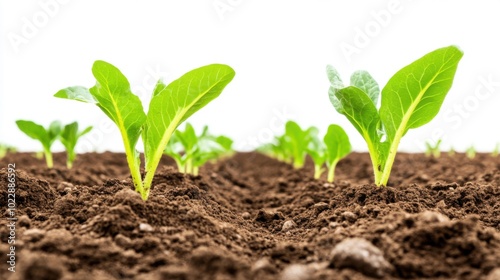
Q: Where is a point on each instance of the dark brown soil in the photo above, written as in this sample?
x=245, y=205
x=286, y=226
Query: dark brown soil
x=438, y=219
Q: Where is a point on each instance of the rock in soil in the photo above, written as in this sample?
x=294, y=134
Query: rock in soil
x=361, y=255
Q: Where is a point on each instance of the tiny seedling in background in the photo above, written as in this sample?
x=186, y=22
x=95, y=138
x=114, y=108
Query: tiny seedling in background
x=47, y=137
x=471, y=152
x=496, y=150
x=317, y=151
x=69, y=137
x=452, y=152
x=170, y=105
x=6, y=149
x=338, y=146
x=298, y=141
x=433, y=150
x=191, y=151
x=38, y=155
x=410, y=99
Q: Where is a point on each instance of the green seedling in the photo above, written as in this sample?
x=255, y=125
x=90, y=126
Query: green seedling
x=38, y=155
x=69, y=137
x=496, y=150
x=170, y=105
x=433, y=150
x=191, y=151
x=451, y=152
x=6, y=149
x=471, y=152
x=47, y=137
x=317, y=151
x=296, y=141
x=410, y=99
x=338, y=146
x=276, y=151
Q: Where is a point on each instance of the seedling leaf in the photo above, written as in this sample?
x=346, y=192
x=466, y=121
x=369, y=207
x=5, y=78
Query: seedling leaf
x=46, y=136
x=338, y=146
x=173, y=104
x=69, y=138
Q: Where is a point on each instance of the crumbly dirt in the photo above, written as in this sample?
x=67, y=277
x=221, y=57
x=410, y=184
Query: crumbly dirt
x=251, y=217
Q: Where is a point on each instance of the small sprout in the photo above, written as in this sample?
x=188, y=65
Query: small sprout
x=410, y=99
x=337, y=147
x=291, y=147
x=297, y=141
x=317, y=151
x=433, y=150
x=451, y=152
x=170, y=105
x=496, y=150
x=191, y=151
x=471, y=152
x=47, y=137
x=6, y=149
x=69, y=137
x=38, y=155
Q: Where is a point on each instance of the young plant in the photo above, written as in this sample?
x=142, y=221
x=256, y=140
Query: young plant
x=433, y=150
x=317, y=151
x=47, y=137
x=191, y=151
x=471, y=152
x=338, y=146
x=5, y=149
x=296, y=141
x=451, y=152
x=170, y=105
x=38, y=155
x=69, y=137
x=410, y=99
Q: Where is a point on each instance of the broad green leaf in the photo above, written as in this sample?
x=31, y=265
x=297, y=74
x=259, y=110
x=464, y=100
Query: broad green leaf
x=76, y=93
x=45, y=136
x=173, y=104
x=414, y=95
x=35, y=131
x=337, y=147
x=114, y=97
x=361, y=112
x=335, y=85
x=337, y=143
x=365, y=82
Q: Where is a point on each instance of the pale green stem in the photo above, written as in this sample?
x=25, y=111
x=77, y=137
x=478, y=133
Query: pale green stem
x=135, y=172
x=331, y=171
x=48, y=158
x=318, y=170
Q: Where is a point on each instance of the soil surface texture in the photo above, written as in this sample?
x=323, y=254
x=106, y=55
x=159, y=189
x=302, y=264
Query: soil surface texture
x=252, y=217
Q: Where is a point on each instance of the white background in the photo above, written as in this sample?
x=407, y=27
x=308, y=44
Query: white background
x=278, y=48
